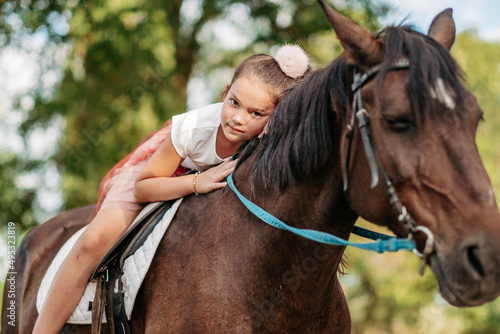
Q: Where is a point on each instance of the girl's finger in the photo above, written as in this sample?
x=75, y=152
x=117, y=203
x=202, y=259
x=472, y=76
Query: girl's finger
x=220, y=185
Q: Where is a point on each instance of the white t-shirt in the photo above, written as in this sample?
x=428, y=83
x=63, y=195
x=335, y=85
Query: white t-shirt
x=194, y=134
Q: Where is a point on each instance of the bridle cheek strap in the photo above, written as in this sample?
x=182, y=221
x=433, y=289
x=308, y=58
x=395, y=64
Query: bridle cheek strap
x=377, y=169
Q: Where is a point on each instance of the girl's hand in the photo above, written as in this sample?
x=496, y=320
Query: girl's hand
x=211, y=179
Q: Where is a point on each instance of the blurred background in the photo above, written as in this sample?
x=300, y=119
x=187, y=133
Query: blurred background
x=82, y=82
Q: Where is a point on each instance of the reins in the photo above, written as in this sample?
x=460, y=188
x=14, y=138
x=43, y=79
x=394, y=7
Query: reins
x=382, y=243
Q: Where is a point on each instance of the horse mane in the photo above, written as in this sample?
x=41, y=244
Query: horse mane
x=299, y=141
x=299, y=137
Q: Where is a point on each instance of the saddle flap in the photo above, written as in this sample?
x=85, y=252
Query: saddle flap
x=150, y=214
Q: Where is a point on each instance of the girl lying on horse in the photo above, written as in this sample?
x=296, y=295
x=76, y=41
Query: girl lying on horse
x=199, y=140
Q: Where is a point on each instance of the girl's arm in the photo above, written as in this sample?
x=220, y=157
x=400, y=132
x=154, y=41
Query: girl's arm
x=156, y=183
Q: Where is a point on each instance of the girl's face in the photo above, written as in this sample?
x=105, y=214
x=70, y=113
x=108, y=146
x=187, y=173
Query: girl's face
x=246, y=109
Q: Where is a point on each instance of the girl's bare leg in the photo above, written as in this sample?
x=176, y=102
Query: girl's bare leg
x=71, y=280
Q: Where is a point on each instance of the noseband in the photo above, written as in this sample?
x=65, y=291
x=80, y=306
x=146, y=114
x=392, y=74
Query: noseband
x=377, y=169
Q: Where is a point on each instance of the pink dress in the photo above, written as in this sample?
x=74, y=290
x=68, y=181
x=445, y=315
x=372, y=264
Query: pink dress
x=117, y=187
x=194, y=137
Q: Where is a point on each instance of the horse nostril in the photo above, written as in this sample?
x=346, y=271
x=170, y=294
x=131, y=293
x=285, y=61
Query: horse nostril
x=473, y=257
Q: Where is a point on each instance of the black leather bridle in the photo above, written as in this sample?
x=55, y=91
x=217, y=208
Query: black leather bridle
x=377, y=169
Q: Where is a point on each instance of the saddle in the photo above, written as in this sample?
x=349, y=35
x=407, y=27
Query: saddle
x=109, y=294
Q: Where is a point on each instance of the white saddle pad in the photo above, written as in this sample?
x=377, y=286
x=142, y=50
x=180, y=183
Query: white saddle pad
x=135, y=268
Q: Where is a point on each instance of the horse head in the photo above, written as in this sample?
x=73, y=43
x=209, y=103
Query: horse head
x=422, y=123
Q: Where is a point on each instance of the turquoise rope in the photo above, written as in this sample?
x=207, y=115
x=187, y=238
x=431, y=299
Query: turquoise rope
x=383, y=243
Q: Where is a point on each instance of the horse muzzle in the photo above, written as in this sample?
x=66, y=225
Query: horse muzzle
x=468, y=275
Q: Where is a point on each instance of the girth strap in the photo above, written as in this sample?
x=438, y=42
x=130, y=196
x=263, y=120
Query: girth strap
x=98, y=306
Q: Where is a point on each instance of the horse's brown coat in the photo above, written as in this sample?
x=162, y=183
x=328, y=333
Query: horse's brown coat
x=219, y=269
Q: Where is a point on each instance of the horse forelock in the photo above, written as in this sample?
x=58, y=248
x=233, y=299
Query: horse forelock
x=434, y=78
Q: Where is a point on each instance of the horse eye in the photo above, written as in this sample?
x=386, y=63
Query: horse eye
x=400, y=123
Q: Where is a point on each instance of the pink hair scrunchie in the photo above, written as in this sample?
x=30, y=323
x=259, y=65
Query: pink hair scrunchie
x=292, y=60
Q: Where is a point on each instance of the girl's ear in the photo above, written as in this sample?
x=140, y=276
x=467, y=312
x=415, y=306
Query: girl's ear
x=264, y=131
x=225, y=92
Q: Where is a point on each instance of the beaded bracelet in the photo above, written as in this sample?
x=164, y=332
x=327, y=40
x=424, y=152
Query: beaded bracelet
x=194, y=183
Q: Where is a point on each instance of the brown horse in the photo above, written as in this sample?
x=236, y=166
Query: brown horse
x=219, y=269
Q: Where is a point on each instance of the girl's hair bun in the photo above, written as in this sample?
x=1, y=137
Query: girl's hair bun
x=292, y=60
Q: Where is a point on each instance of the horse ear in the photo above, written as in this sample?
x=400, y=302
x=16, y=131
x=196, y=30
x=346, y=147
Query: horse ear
x=443, y=29
x=360, y=47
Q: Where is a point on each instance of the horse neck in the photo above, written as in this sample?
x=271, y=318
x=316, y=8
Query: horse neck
x=315, y=203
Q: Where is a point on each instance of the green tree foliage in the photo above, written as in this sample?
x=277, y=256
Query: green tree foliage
x=481, y=65
x=126, y=71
